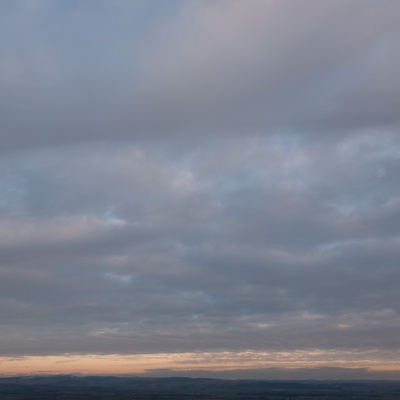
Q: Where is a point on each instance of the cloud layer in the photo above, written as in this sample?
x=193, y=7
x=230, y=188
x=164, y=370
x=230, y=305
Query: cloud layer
x=199, y=177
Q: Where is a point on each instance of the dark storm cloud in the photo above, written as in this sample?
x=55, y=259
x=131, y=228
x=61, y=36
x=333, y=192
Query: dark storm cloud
x=208, y=176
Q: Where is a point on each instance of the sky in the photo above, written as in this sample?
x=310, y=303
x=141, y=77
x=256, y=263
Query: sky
x=200, y=188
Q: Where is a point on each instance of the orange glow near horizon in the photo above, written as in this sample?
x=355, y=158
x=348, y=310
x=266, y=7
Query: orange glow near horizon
x=181, y=362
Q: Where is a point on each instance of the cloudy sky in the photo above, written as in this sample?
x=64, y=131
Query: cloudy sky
x=200, y=186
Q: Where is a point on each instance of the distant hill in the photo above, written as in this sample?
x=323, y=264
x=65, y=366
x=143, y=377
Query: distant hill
x=72, y=387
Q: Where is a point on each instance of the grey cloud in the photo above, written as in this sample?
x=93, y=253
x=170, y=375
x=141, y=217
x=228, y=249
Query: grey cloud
x=279, y=65
x=238, y=255
x=274, y=66
x=227, y=181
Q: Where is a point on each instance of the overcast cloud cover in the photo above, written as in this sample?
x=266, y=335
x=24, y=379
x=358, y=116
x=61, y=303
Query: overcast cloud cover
x=200, y=176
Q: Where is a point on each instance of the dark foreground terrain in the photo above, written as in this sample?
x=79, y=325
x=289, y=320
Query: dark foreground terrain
x=121, y=388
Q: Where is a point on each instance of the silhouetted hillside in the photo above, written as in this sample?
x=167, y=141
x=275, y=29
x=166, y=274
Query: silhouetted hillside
x=68, y=387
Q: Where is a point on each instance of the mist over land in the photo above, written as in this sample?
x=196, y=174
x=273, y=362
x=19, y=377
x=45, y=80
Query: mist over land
x=121, y=388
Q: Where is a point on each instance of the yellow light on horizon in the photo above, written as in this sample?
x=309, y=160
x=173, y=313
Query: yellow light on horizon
x=194, y=361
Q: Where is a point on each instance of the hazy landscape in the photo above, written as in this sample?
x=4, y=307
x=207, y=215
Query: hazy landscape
x=118, y=388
